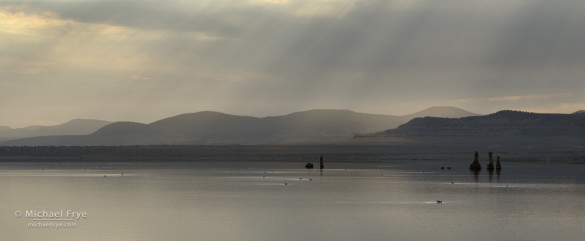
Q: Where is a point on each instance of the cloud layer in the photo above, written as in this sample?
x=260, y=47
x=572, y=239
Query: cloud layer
x=144, y=59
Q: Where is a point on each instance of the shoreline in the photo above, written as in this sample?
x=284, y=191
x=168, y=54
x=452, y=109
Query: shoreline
x=268, y=153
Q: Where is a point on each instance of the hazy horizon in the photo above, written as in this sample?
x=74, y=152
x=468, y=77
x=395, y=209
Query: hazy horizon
x=146, y=122
x=144, y=60
x=267, y=116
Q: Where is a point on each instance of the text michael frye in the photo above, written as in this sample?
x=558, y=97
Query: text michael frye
x=52, y=219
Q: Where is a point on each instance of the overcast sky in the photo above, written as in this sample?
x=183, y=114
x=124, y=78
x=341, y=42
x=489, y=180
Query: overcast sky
x=142, y=60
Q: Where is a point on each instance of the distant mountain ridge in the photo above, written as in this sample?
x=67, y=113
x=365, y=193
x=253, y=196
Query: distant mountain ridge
x=72, y=127
x=441, y=111
x=510, y=133
x=208, y=127
x=502, y=123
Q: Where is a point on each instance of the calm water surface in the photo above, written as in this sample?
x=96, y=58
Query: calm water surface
x=283, y=201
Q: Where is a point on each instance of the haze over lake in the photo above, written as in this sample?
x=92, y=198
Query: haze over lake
x=394, y=200
x=194, y=120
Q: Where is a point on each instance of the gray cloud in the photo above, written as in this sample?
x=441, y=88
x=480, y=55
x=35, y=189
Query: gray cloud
x=543, y=34
x=378, y=56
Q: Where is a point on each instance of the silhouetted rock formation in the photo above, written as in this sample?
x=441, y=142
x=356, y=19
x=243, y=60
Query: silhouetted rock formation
x=498, y=164
x=309, y=165
x=321, y=160
x=490, y=165
x=475, y=165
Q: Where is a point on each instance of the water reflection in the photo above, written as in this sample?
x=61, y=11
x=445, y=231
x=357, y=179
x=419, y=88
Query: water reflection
x=490, y=172
x=476, y=175
x=235, y=201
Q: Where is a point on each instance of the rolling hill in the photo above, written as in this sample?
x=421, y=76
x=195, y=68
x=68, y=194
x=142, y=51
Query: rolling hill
x=209, y=127
x=504, y=131
x=441, y=111
x=500, y=124
x=72, y=127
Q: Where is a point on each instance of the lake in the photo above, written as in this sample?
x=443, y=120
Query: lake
x=256, y=201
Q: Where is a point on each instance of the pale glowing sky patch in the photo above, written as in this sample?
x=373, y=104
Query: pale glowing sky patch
x=16, y=21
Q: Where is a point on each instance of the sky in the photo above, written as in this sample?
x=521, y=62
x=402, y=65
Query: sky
x=143, y=60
